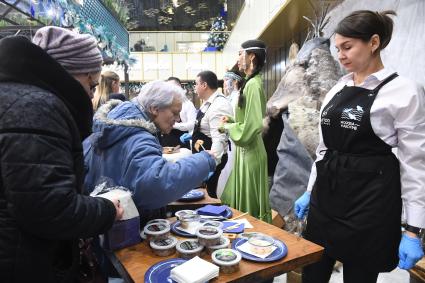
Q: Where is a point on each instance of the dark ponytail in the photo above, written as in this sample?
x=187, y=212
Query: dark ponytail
x=260, y=59
x=363, y=24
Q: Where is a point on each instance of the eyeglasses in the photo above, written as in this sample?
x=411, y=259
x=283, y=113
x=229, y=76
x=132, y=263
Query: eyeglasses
x=93, y=87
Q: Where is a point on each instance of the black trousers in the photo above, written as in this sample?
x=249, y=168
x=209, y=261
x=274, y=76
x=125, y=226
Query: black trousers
x=212, y=182
x=320, y=272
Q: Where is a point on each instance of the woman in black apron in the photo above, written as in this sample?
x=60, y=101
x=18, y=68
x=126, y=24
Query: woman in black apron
x=355, y=207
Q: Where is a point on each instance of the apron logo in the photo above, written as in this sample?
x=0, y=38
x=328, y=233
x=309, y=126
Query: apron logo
x=353, y=114
x=326, y=121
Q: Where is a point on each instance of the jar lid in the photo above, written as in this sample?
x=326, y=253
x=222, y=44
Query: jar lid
x=159, y=220
x=189, y=246
x=212, y=223
x=180, y=213
x=209, y=232
x=226, y=257
x=165, y=244
x=262, y=241
x=156, y=229
x=224, y=243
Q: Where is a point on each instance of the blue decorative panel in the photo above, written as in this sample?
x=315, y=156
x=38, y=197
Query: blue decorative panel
x=101, y=16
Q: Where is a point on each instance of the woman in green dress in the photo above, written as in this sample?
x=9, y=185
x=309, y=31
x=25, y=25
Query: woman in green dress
x=247, y=188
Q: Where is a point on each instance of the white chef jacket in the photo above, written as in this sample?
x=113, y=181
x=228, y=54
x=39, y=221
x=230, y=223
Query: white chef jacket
x=187, y=116
x=216, y=106
x=397, y=117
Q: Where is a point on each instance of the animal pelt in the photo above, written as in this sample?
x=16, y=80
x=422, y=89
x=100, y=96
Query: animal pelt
x=302, y=89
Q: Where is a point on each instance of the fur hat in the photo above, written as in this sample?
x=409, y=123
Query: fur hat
x=77, y=53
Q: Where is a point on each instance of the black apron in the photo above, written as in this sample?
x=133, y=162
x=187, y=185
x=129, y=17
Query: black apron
x=211, y=183
x=355, y=208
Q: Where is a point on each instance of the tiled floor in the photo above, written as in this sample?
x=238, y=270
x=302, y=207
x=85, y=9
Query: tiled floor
x=396, y=276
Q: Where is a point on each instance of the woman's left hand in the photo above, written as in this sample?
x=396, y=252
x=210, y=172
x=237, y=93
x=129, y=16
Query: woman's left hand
x=410, y=251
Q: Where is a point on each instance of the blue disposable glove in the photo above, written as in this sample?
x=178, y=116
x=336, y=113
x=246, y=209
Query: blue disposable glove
x=409, y=251
x=301, y=205
x=185, y=137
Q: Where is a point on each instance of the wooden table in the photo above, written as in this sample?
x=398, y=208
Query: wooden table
x=418, y=271
x=179, y=205
x=137, y=259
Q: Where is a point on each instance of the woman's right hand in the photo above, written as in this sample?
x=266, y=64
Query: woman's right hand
x=301, y=205
x=118, y=208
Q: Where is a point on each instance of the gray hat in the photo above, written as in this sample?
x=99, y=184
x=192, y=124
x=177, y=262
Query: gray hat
x=77, y=53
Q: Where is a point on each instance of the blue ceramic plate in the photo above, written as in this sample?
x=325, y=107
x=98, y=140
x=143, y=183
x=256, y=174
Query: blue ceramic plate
x=174, y=230
x=193, y=195
x=277, y=254
x=160, y=272
x=228, y=214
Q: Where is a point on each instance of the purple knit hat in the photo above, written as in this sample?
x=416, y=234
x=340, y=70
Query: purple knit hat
x=77, y=53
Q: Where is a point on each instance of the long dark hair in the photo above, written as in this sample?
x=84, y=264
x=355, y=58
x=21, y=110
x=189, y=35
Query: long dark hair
x=363, y=24
x=259, y=60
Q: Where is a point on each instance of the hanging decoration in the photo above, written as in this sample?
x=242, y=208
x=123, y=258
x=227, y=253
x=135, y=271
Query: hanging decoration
x=67, y=14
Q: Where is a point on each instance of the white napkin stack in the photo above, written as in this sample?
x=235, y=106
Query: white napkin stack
x=195, y=270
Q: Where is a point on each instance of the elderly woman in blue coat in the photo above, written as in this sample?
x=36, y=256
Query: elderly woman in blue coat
x=124, y=147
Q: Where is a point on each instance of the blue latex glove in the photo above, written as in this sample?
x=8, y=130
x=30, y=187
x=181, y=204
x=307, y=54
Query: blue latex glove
x=185, y=137
x=301, y=205
x=409, y=252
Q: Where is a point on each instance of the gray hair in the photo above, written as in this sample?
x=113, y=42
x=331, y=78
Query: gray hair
x=159, y=94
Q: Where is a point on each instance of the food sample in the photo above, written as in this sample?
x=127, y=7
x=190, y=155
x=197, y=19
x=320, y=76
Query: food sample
x=189, y=221
x=164, y=247
x=227, y=259
x=199, y=145
x=223, y=244
x=180, y=213
x=157, y=231
x=213, y=223
x=189, y=248
x=209, y=235
x=261, y=244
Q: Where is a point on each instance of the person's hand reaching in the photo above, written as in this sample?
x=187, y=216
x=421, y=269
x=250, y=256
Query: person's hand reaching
x=118, y=208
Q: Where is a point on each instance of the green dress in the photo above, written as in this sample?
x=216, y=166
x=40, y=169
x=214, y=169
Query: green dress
x=247, y=186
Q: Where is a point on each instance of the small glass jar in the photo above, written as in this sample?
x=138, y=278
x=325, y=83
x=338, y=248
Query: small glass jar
x=261, y=244
x=212, y=223
x=209, y=235
x=180, y=213
x=190, y=221
x=164, y=247
x=227, y=259
x=159, y=220
x=188, y=249
x=157, y=231
x=223, y=244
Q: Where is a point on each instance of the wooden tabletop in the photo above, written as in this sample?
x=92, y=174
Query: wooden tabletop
x=179, y=205
x=418, y=271
x=136, y=260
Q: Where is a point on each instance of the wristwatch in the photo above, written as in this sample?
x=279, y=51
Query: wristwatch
x=413, y=229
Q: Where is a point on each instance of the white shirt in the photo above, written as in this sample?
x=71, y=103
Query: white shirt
x=216, y=106
x=397, y=117
x=233, y=98
x=187, y=116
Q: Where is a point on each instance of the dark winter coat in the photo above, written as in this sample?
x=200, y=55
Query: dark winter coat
x=44, y=114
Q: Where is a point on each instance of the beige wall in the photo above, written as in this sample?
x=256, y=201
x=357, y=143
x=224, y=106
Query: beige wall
x=159, y=65
x=253, y=19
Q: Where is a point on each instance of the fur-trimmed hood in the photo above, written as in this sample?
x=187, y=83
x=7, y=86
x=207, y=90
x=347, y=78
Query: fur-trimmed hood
x=116, y=120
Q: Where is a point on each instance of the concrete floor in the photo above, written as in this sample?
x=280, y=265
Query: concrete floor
x=395, y=276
